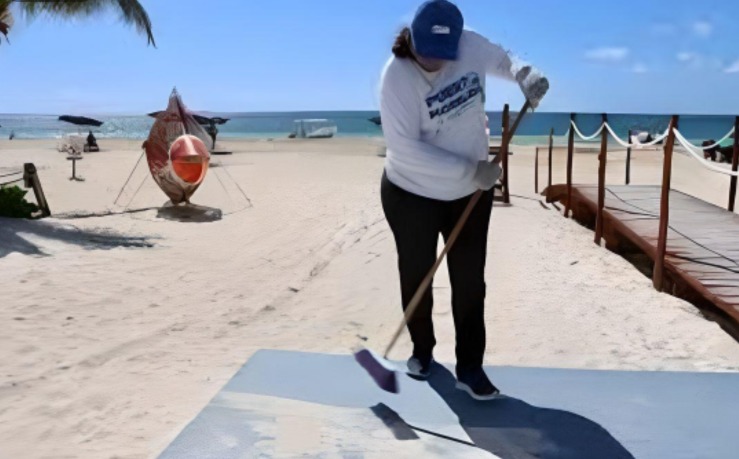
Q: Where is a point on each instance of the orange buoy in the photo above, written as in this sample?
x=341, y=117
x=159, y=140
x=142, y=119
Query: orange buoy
x=189, y=157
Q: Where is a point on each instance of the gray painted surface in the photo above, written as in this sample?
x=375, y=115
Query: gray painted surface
x=550, y=413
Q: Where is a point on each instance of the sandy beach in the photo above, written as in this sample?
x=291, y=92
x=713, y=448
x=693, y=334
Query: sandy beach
x=119, y=325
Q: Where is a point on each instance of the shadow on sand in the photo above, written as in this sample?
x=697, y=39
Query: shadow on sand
x=191, y=213
x=101, y=239
x=511, y=428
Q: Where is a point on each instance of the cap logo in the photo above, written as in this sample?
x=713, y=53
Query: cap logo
x=440, y=30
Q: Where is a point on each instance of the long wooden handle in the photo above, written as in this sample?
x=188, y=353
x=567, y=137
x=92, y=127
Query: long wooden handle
x=416, y=300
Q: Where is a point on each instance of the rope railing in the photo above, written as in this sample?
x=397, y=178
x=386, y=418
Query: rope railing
x=10, y=174
x=712, y=146
x=625, y=143
x=583, y=136
x=672, y=138
x=691, y=149
x=11, y=182
x=637, y=144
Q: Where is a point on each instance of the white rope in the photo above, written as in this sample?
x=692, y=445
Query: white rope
x=691, y=149
x=637, y=144
x=709, y=147
x=584, y=137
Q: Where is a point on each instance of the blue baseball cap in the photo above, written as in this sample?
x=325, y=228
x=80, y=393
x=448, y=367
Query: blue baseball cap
x=436, y=30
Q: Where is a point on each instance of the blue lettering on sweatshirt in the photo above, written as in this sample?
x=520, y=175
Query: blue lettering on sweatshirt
x=455, y=95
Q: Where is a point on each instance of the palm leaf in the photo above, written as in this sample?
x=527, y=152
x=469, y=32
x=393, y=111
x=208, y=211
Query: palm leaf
x=131, y=11
x=6, y=19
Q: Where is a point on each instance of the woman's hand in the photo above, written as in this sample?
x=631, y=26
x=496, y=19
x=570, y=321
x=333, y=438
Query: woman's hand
x=533, y=84
x=486, y=174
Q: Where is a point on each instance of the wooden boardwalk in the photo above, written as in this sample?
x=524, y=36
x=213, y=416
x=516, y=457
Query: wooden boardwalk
x=702, y=255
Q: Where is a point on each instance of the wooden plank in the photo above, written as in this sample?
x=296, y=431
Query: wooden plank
x=701, y=248
x=551, y=144
x=734, y=165
x=31, y=180
x=602, y=161
x=504, y=151
x=570, y=153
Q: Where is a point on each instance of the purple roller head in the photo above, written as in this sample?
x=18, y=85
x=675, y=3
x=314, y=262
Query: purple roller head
x=381, y=371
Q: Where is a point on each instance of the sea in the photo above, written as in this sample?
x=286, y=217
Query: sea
x=534, y=129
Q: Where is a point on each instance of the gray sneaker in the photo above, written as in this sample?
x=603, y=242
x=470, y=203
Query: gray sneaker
x=417, y=369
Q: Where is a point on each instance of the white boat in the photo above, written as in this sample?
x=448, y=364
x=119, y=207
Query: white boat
x=314, y=129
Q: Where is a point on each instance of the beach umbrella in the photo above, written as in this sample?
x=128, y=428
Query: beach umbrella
x=376, y=119
x=202, y=120
x=80, y=120
x=219, y=120
x=209, y=123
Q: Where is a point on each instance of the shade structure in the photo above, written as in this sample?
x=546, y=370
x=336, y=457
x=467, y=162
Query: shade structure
x=81, y=120
x=202, y=120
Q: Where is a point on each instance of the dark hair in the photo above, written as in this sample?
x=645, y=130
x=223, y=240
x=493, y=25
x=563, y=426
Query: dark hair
x=402, y=45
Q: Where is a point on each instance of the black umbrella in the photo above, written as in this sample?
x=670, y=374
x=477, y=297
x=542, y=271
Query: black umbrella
x=200, y=119
x=376, y=119
x=219, y=120
x=209, y=123
x=80, y=120
x=203, y=120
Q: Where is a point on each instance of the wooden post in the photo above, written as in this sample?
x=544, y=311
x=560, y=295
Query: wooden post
x=602, y=158
x=31, y=180
x=664, y=209
x=536, y=171
x=628, y=158
x=734, y=165
x=551, y=144
x=570, y=152
x=504, y=152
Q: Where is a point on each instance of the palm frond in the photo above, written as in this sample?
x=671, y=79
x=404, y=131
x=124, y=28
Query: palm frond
x=130, y=11
x=133, y=13
x=6, y=19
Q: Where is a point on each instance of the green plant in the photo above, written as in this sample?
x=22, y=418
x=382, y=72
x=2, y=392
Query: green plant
x=130, y=11
x=13, y=203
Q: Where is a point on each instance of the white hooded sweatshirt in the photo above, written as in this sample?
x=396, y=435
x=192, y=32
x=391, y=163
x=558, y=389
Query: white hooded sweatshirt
x=434, y=123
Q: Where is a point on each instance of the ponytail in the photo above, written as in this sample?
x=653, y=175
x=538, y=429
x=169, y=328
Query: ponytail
x=402, y=45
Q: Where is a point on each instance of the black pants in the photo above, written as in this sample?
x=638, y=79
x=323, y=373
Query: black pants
x=416, y=222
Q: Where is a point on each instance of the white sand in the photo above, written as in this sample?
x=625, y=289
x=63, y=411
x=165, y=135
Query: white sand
x=117, y=330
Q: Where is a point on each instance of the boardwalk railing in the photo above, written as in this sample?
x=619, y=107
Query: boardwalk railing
x=30, y=179
x=670, y=137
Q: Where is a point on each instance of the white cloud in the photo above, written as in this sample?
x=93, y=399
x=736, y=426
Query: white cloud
x=639, y=68
x=733, y=68
x=700, y=61
x=702, y=29
x=686, y=56
x=607, y=54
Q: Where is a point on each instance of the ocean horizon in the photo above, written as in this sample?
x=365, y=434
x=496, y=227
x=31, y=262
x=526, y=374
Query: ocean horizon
x=244, y=125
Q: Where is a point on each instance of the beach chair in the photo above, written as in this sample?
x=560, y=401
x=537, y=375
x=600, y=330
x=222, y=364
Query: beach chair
x=71, y=144
x=62, y=145
x=77, y=143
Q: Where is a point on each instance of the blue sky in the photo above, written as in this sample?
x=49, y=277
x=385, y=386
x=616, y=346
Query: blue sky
x=282, y=55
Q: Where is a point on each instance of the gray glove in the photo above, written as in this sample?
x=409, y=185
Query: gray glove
x=486, y=175
x=533, y=84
